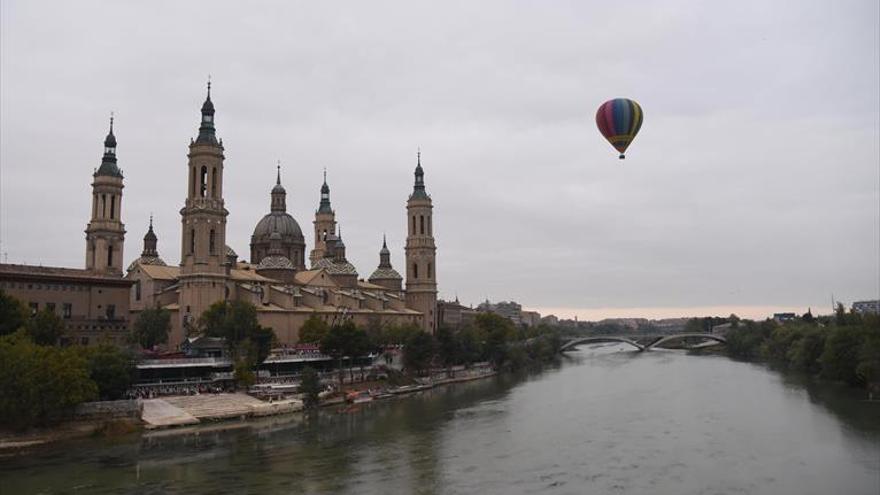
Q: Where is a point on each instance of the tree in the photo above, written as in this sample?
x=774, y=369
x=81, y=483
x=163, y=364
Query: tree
x=313, y=330
x=151, y=327
x=499, y=331
x=448, y=346
x=38, y=384
x=45, y=328
x=841, y=354
x=418, y=352
x=13, y=314
x=310, y=387
x=112, y=369
x=248, y=343
x=336, y=343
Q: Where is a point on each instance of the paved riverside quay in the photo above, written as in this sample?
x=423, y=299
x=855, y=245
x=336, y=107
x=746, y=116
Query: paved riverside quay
x=647, y=342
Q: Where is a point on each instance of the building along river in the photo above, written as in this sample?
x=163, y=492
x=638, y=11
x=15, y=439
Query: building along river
x=607, y=420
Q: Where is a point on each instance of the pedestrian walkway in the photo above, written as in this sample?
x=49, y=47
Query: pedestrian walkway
x=157, y=413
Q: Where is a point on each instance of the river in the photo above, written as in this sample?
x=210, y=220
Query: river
x=606, y=420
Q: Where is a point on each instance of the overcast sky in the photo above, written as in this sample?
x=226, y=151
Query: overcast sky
x=753, y=185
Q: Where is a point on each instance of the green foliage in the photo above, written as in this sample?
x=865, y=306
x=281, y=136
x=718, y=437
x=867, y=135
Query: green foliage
x=746, y=340
x=418, y=352
x=248, y=342
x=806, y=350
x=397, y=334
x=448, y=347
x=243, y=372
x=310, y=387
x=499, y=331
x=868, y=369
x=45, y=328
x=13, y=314
x=151, y=327
x=313, y=330
x=40, y=385
x=346, y=340
x=470, y=343
x=111, y=368
x=840, y=357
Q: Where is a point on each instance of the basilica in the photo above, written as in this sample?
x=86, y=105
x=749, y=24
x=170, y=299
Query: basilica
x=283, y=284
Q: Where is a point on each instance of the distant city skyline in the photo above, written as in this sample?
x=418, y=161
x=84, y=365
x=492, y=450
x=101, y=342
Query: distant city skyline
x=753, y=188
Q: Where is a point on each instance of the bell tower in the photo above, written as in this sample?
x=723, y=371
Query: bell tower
x=203, y=222
x=105, y=233
x=421, y=253
x=325, y=223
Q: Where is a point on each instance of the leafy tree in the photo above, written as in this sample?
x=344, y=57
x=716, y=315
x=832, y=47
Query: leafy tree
x=151, y=327
x=111, y=368
x=337, y=342
x=13, y=314
x=398, y=334
x=313, y=330
x=45, y=328
x=868, y=368
x=499, y=331
x=310, y=387
x=841, y=354
x=418, y=352
x=471, y=343
x=746, y=340
x=448, y=346
x=805, y=352
x=38, y=384
x=248, y=343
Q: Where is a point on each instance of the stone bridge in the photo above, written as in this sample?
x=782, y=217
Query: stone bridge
x=643, y=342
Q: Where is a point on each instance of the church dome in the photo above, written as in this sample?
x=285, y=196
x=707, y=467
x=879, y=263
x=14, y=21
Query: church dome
x=279, y=222
x=275, y=262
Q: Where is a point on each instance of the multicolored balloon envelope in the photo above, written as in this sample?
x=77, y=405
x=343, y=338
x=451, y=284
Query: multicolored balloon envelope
x=619, y=120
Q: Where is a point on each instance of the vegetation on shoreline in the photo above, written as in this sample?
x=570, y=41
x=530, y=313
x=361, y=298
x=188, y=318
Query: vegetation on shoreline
x=844, y=347
x=40, y=382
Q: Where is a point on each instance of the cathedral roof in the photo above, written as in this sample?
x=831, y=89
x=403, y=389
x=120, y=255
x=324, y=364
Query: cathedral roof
x=275, y=262
x=335, y=267
x=280, y=222
x=146, y=260
x=385, y=274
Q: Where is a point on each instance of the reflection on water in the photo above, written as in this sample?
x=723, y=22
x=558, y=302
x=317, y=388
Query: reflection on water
x=606, y=420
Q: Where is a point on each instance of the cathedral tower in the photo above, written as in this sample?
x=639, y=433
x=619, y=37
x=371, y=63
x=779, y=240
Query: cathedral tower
x=325, y=223
x=203, y=220
x=421, y=253
x=105, y=232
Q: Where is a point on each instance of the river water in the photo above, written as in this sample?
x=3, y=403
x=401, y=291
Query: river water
x=606, y=420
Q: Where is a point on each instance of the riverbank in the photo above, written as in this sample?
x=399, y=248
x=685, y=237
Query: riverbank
x=187, y=411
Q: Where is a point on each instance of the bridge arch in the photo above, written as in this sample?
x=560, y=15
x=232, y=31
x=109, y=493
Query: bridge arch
x=596, y=339
x=679, y=336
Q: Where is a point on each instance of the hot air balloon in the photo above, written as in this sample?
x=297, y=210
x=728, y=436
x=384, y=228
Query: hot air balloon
x=619, y=120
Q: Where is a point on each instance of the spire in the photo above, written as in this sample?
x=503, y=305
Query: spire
x=150, y=241
x=384, y=255
x=108, y=161
x=419, y=186
x=324, y=206
x=279, y=194
x=206, y=129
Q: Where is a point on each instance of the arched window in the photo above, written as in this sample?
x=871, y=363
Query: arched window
x=430, y=230
x=137, y=290
x=103, y=206
x=421, y=224
x=415, y=270
x=211, y=242
x=112, y=206
x=204, y=182
x=109, y=255
x=214, y=183
x=192, y=241
x=192, y=183
x=429, y=270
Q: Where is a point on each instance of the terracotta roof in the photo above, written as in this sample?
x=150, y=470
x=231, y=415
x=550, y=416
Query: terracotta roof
x=57, y=272
x=242, y=275
x=159, y=272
